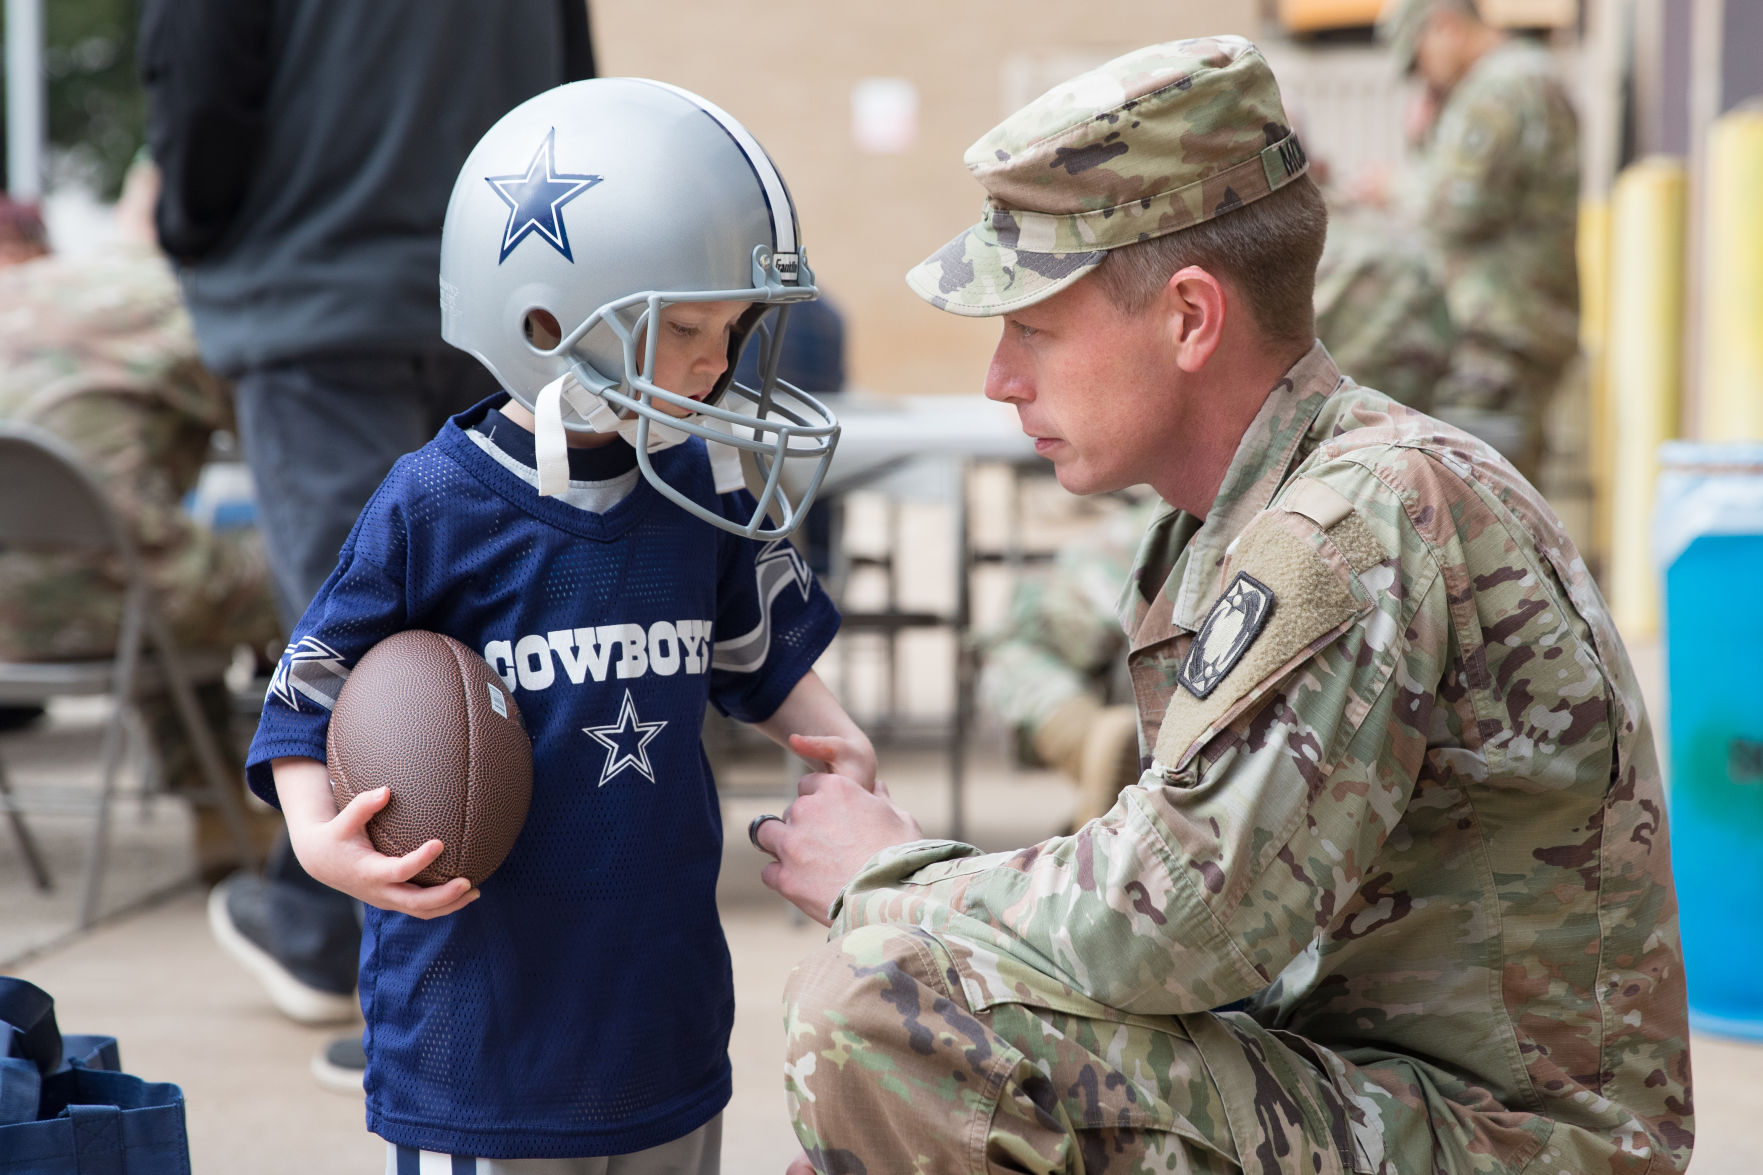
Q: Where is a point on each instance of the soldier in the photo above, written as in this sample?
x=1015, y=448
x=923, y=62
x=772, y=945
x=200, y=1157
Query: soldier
x=1049, y=666
x=1380, y=310
x=1495, y=186
x=98, y=351
x=1394, y=894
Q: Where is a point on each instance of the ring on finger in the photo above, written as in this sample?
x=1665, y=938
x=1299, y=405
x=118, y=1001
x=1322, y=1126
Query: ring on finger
x=753, y=827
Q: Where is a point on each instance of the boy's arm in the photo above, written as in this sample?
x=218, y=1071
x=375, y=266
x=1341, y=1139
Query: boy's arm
x=333, y=846
x=810, y=722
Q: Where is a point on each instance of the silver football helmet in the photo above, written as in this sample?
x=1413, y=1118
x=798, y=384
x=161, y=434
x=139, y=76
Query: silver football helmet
x=583, y=213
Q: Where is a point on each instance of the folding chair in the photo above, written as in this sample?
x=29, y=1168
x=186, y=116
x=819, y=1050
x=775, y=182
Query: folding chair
x=49, y=503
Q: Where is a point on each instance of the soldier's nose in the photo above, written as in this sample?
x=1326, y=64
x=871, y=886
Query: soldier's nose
x=1005, y=385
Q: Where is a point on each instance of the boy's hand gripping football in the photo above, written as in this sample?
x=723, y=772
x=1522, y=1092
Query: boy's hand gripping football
x=333, y=846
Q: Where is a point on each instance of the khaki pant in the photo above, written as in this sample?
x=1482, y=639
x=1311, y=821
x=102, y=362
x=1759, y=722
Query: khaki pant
x=890, y=1069
x=213, y=594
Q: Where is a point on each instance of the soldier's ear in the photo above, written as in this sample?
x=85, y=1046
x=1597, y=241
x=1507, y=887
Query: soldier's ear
x=1193, y=309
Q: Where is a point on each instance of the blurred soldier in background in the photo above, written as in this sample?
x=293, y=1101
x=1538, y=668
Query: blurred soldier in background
x=22, y=237
x=1055, y=669
x=98, y=351
x=1495, y=186
x=1380, y=310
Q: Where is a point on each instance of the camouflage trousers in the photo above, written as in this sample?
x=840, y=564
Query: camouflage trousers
x=212, y=592
x=1025, y=684
x=890, y=1069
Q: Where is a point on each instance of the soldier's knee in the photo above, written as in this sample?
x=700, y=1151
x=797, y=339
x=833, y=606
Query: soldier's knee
x=858, y=984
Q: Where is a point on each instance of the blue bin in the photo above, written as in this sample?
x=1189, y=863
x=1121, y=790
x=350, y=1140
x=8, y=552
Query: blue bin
x=1708, y=538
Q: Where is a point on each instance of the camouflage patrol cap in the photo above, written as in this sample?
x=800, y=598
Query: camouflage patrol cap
x=1158, y=140
x=1400, y=22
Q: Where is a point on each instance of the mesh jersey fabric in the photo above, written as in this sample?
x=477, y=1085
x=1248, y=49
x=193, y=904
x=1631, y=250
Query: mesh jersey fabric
x=582, y=1005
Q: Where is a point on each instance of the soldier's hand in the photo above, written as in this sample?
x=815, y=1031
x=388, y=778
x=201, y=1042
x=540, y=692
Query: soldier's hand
x=834, y=826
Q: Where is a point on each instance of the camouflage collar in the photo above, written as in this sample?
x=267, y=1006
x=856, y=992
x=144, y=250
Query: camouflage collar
x=1271, y=448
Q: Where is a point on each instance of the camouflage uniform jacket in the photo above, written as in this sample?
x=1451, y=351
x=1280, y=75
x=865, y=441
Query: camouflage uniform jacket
x=1379, y=307
x=1497, y=190
x=111, y=331
x=99, y=351
x=1418, y=823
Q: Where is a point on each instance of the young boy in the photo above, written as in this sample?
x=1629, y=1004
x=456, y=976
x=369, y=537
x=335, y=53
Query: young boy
x=608, y=248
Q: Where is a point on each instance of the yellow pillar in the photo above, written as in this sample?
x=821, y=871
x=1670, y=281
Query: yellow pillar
x=1732, y=281
x=1594, y=342
x=1645, y=372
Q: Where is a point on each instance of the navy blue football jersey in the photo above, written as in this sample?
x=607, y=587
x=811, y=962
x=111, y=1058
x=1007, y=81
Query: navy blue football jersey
x=582, y=1005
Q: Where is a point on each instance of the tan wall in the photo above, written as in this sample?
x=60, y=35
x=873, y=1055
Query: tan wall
x=786, y=68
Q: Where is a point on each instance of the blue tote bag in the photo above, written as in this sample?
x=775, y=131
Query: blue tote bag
x=64, y=1108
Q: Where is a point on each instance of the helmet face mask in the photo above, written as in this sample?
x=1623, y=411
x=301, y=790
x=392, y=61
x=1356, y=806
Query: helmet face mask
x=784, y=423
x=685, y=208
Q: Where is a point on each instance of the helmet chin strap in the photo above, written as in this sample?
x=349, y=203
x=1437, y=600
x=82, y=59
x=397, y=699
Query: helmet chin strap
x=551, y=440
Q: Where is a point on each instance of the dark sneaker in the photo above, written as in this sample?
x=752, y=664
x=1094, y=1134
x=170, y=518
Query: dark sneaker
x=341, y=1064
x=19, y=717
x=238, y=916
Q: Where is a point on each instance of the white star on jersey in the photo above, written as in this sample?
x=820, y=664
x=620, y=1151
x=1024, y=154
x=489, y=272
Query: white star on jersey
x=619, y=735
x=310, y=667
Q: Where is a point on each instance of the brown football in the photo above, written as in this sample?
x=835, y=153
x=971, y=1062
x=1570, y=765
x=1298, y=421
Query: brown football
x=425, y=716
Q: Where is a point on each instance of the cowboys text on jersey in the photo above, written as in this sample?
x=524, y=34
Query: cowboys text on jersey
x=537, y=660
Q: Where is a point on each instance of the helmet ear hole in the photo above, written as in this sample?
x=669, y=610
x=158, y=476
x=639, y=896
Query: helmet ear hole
x=541, y=329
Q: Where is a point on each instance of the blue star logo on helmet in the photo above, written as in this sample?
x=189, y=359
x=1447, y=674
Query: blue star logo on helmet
x=535, y=200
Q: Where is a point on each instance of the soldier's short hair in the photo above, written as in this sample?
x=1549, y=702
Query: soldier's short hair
x=1267, y=250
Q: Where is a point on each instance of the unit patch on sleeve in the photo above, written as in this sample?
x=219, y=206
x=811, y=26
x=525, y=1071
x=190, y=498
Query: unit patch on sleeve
x=1230, y=628
x=1246, y=643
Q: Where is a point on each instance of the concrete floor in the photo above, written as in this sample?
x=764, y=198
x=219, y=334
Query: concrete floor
x=184, y=1012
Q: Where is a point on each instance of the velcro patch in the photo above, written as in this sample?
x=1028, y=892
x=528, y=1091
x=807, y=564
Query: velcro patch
x=1318, y=501
x=1230, y=628
x=1316, y=603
